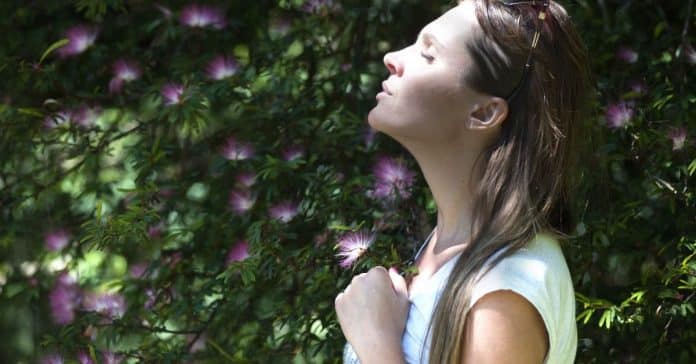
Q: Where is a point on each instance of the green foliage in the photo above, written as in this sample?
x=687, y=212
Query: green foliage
x=142, y=187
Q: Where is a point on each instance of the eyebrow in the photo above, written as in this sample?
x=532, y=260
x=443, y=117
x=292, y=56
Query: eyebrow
x=430, y=38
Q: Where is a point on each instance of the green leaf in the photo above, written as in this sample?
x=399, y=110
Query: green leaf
x=53, y=47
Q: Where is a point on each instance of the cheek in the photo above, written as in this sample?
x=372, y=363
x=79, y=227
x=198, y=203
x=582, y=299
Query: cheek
x=432, y=99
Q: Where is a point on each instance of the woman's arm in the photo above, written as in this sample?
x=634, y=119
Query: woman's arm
x=503, y=327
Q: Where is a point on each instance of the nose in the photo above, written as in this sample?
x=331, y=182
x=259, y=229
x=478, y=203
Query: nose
x=393, y=64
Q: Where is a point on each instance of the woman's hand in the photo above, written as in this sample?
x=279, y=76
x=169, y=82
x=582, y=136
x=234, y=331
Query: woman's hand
x=372, y=312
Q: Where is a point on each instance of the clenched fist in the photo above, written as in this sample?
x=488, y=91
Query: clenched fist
x=372, y=311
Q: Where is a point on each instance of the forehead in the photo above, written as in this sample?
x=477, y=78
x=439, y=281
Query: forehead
x=455, y=27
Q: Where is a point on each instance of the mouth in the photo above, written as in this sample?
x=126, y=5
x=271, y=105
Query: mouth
x=385, y=88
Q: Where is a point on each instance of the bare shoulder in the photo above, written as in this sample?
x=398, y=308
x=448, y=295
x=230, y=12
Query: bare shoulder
x=503, y=327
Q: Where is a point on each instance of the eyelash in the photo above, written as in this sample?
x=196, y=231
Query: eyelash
x=429, y=58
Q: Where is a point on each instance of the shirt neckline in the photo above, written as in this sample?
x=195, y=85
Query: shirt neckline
x=445, y=266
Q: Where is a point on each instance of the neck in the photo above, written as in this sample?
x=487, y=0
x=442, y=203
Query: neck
x=446, y=168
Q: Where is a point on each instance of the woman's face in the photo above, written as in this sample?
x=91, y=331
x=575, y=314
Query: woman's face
x=426, y=99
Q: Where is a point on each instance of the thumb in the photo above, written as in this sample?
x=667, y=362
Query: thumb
x=398, y=282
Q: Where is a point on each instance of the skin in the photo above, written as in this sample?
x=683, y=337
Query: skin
x=444, y=125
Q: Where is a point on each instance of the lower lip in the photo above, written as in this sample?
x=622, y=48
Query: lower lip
x=383, y=93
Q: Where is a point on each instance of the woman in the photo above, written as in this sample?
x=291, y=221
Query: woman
x=489, y=100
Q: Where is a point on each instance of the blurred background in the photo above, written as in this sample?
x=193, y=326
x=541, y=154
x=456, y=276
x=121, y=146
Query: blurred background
x=177, y=178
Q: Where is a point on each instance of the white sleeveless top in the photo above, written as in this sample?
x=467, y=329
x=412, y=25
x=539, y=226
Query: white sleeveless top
x=537, y=272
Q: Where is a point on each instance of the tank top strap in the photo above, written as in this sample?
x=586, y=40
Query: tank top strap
x=425, y=243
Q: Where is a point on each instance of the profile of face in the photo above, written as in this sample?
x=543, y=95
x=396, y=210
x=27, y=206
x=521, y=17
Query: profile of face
x=425, y=98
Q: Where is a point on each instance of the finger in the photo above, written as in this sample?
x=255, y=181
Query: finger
x=398, y=282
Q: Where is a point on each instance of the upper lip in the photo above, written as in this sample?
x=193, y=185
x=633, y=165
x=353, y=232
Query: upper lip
x=385, y=88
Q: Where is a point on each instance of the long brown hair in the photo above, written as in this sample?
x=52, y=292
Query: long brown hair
x=527, y=175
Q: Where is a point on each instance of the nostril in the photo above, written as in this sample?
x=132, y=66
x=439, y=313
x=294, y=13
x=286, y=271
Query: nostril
x=389, y=63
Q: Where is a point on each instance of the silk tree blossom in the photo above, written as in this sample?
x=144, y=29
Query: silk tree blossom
x=237, y=253
x=64, y=299
x=638, y=87
x=151, y=295
x=138, y=270
x=392, y=176
x=235, y=150
x=293, y=152
x=320, y=7
x=284, y=211
x=678, y=136
x=241, y=201
x=619, y=114
x=172, y=92
x=111, y=305
x=155, y=231
x=52, y=358
x=352, y=246
x=84, y=358
x=369, y=136
x=222, y=67
x=124, y=71
x=626, y=55
x=111, y=358
x=86, y=116
x=80, y=37
x=59, y=118
x=246, y=179
x=56, y=239
x=201, y=16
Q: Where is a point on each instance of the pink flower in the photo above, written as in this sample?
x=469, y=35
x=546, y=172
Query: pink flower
x=241, y=201
x=353, y=245
x=678, y=136
x=627, y=55
x=171, y=92
x=151, y=298
x=369, y=136
x=84, y=358
x=238, y=252
x=111, y=305
x=138, y=270
x=234, y=150
x=64, y=299
x=86, y=116
x=293, y=152
x=60, y=117
x=284, y=211
x=320, y=7
x=124, y=71
x=112, y=358
x=619, y=114
x=246, y=179
x=155, y=231
x=222, y=67
x=638, y=87
x=392, y=176
x=52, y=359
x=201, y=16
x=80, y=37
x=56, y=239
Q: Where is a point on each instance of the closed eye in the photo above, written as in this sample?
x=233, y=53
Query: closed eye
x=429, y=58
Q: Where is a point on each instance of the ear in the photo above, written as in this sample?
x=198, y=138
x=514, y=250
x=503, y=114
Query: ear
x=488, y=114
